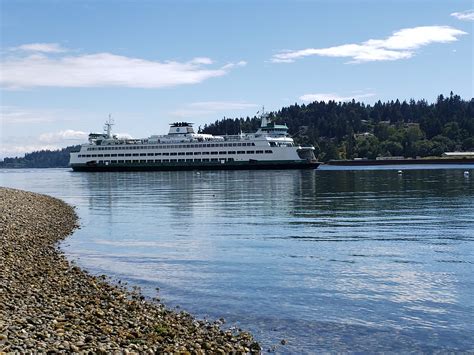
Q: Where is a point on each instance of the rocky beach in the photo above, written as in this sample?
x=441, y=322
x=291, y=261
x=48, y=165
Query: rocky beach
x=49, y=305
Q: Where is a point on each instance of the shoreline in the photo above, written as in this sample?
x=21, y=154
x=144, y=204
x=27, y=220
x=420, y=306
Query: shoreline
x=408, y=161
x=48, y=304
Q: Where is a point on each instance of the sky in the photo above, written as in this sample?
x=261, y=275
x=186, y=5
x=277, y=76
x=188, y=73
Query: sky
x=66, y=65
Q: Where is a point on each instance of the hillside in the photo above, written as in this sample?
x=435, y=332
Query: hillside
x=352, y=129
x=41, y=159
x=343, y=130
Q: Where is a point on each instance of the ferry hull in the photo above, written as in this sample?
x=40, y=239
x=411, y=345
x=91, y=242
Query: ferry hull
x=259, y=165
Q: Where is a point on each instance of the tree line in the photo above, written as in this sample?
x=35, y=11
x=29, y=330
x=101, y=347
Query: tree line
x=347, y=130
x=41, y=159
x=342, y=130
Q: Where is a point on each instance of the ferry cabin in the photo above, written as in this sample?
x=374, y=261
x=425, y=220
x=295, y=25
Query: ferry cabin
x=182, y=149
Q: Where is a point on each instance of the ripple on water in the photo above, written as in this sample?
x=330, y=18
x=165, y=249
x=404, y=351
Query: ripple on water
x=328, y=260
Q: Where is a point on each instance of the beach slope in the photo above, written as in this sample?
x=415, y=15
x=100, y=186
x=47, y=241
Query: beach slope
x=48, y=304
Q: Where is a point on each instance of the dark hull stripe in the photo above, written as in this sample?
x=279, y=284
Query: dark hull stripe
x=190, y=166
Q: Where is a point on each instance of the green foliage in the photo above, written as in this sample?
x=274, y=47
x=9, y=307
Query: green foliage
x=343, y=130
x=354, y=130
x=41, y=159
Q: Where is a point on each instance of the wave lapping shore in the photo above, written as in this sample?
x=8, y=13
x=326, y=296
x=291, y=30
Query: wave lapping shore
x=48, y=304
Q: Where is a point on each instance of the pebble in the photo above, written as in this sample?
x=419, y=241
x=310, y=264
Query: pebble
x=49, y=305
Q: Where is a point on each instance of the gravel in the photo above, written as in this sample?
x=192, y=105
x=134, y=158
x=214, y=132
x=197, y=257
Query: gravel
x=49, y=305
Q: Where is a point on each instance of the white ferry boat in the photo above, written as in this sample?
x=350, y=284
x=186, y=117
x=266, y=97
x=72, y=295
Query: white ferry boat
x=182, y=149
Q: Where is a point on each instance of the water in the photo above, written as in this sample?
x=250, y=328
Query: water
x=329, y=260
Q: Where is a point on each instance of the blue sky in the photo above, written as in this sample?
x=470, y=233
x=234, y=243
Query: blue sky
x=65, y=65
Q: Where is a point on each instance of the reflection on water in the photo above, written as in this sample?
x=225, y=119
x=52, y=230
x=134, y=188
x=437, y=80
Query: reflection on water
x=365, y=260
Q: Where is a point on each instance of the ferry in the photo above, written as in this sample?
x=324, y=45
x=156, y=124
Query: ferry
x=182, y=148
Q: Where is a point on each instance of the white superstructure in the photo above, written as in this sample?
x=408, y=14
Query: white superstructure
x=184, y=149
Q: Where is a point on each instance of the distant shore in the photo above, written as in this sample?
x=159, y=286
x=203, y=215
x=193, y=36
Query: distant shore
x=370, y=162
x=48, y=304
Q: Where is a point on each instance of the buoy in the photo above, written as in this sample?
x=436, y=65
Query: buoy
x=400, y=172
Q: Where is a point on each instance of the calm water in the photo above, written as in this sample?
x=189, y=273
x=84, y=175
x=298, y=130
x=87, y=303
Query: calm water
x=362, y=260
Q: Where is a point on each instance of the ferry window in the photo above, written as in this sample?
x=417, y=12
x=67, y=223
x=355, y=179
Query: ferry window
x=165, y=160
x=135, y=161
x=205, y=160
x=135, y=154
x=113, y=155
x=234, y=144
x=231, y=152
x=205, y=153
x=88, y=156
x=100, y=155
x=208, y=145
x=128, y=155
x=172, y=160
x=101, y=161
x=150, y=154
x=214, y=159
x=197, y=160
x=214, y=153
x=230, y=159
x=157, y=161
x=157, y=153
x=119, y=161
x=189, y=153
x=181, y=153
x=250, y=152
x=94, y=155
x=268, y=151
x=241, y=152
x=226, y=144
x=142, y=161
x=189, y=160
x=222, y=152
x=259, y=152
x=121, y=155
x=239, y=144
x=166, y=153
x=180, y=159
x=106, y=155
x=143, y=154
x=272, y=144
x=253, y=144
x=150, y=160
x=197, y=153
x=172, y=153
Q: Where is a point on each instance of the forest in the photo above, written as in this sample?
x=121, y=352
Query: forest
x=348, y=130
x=41, y=159
x=343, y=130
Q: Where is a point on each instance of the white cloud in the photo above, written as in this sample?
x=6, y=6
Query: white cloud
x=467, y=15
x=41, y=47
x=67, y=136
x=400, y=45
x=105, y=70
x=333, y=97
x=206, y=108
